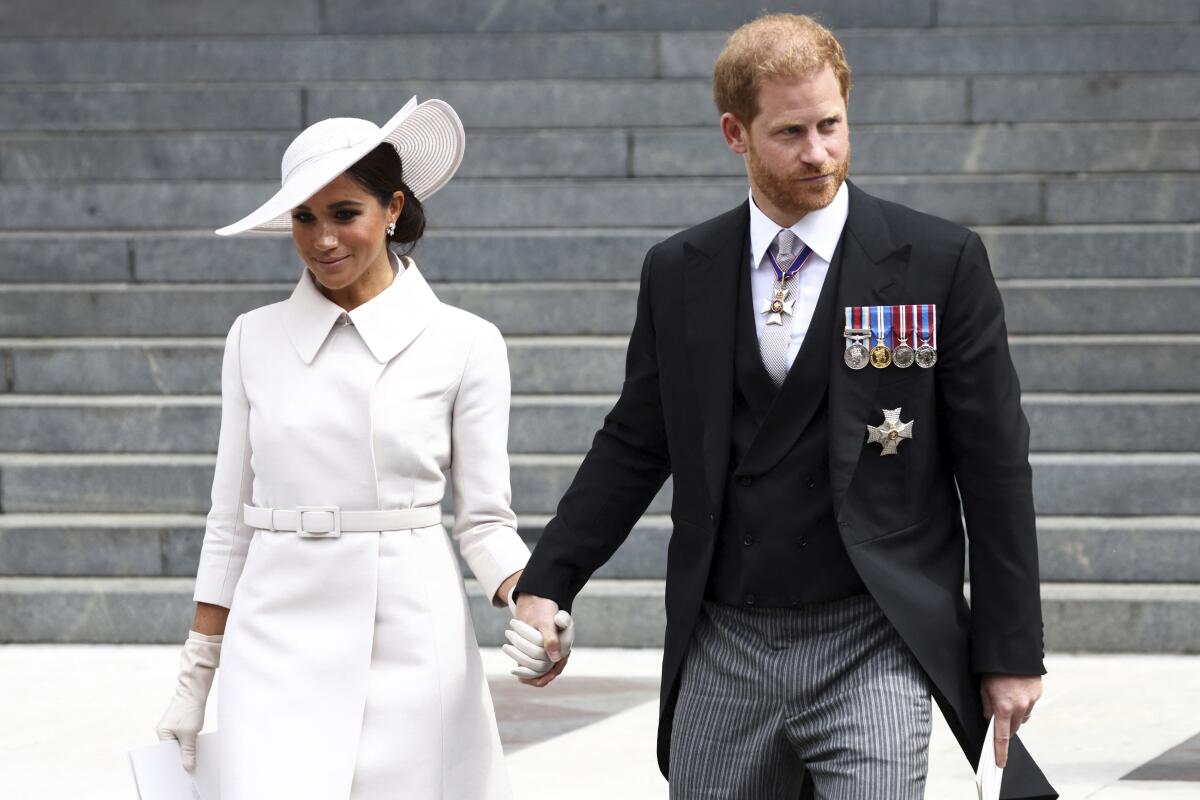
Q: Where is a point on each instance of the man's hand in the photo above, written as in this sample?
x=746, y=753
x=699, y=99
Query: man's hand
x=539, y=615
x=1010, y=698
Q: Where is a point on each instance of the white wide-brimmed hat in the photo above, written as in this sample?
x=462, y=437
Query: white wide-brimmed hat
x=428, y=136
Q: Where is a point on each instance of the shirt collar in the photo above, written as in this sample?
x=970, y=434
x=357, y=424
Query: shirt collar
x=387, y=323
x=820, y=229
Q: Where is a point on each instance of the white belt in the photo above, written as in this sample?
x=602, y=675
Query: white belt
x=330, y=522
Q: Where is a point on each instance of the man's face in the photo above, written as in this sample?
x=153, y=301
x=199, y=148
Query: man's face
x=798, y=147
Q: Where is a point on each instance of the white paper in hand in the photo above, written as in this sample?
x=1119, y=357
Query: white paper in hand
x=160, y=775
x=988, y=776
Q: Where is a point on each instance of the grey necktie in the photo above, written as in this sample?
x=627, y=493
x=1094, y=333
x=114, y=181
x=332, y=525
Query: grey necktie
x=773, y=344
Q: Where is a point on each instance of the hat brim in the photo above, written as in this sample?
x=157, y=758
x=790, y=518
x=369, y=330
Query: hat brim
x=428, y=136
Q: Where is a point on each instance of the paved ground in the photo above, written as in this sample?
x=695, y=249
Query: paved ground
x=70, y=712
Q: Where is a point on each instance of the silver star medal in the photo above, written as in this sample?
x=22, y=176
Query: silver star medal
x=777, y=307
x=890, y=433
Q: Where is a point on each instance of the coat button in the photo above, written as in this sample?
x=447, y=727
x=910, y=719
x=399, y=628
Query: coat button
x=812, y=484
x=845, y=525
x=745, y=481
x=748, y=540
x=749, y=599
x=795, y=601
x=802, y=542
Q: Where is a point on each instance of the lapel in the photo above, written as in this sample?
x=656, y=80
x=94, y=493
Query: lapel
x=388, y=322
x=874, y=265
x=804, y=387
x=715, y=254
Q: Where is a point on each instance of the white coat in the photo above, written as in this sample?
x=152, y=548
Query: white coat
x=367, y=417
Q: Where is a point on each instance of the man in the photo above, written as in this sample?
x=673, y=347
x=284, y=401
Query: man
x=826, y=378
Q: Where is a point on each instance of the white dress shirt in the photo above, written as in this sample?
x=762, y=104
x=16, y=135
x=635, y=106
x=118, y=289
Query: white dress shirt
x=820, y=230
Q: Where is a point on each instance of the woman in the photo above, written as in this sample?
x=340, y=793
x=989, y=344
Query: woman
x=349, y=664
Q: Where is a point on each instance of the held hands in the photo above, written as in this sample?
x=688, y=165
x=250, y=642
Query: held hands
x=540, y=637
x=1010, y=698
x=184, y=716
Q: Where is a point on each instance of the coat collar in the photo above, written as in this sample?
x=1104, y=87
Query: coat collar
x=387, y=322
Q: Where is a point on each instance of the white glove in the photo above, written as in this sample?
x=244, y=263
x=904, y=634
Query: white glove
x=184, y=716
x=525, y=643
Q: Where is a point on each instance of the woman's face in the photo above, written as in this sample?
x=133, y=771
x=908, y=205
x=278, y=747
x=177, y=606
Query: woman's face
x=341, y=234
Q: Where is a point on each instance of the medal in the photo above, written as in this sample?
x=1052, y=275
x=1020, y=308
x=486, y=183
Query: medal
x=881, y=354
x=779, y=304
x=903, y=356
x=856, y=355
x=890, y=433
x=927, y=351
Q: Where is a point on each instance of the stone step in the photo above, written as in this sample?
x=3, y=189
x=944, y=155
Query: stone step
x=1075, y=251
x=957, y=149
x=493, y=104
x=1068, y=423
x=1107, y=549
x=77, y=18
x=1049, y=98
x=1086, y=617
x=979, y=51
x=1069, y=484
x=588, y=152
x=607, y=203
x=541, y=104
x=1074, y=306
x=1152, y=48
x=1130, y=363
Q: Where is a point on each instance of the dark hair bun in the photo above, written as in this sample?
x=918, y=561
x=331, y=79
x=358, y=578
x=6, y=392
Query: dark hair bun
x=382, y=174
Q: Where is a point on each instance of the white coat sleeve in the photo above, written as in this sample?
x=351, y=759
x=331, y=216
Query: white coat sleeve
x=485, y=526
x=226, y=536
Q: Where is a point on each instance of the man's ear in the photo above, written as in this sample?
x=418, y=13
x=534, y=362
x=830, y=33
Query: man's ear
x=734, y=133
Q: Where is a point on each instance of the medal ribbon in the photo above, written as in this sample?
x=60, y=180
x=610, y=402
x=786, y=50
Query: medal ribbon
x=928, y=326
x=902, y=312
x=797, y=265
x=877, y=328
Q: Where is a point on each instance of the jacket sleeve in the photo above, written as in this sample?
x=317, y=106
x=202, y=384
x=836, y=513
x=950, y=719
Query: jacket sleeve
x=988, y=436
x=226, y=537
x=627, y=465
x=485, y=526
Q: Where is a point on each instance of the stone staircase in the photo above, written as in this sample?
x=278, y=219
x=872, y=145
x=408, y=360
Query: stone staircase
x=1067, y=133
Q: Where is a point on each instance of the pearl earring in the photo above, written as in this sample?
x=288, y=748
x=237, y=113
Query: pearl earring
x=391, y=228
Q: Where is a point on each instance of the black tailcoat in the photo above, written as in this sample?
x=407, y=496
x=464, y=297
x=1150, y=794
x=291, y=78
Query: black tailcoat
x=900, y=517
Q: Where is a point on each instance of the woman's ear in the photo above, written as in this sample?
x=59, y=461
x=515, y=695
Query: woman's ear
x=396, y=207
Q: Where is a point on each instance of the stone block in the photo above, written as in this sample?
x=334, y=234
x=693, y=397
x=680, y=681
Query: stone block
x=334, y=59
x=1063, y=12
x=107, y=484
x=1113, y=423
x=60, y=260
x=125, y=311
x=1134, y=618
x=28, y=18
x=1111, y=251
x=1080, y=306
x=539, y=482
x=546, y=154
x=119, y=108
x=1116, y=484
x=959, y=149
x=95, y=610
x=118, y=368
x=430, y=16
x=47, y=551
x=949, y=52
x=967, y=200
x=111, y=206
x=531, y=309
x=1119, y=550
x=168, y=157
x=1107, y=363
x=1130, y=198
x=555, y=424
x=541, y=366
x=552, y=103
x=1106, y=96
x=443, y=255
x=103, y=426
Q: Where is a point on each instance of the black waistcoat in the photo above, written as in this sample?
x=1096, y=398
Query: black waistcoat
x=778, y=543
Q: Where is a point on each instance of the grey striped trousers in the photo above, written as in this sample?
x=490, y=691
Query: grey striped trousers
x=767, y=694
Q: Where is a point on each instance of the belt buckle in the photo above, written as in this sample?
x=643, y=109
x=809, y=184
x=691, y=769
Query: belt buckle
x=335, y=524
